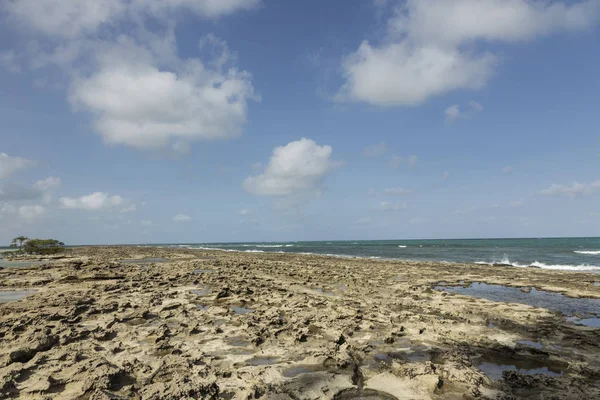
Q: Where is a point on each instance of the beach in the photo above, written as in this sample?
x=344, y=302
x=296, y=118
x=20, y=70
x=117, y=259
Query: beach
x=177, y=323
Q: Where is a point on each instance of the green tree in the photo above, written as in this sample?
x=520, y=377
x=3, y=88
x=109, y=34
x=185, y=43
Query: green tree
x=18, y=242
x=43, y=246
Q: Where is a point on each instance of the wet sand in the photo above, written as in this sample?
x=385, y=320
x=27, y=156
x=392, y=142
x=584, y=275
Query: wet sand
x=150, y=323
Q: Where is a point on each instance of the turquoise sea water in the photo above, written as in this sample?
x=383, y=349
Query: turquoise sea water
x=582, y=254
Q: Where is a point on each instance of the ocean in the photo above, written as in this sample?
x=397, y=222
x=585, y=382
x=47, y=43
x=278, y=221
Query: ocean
x=577, y=254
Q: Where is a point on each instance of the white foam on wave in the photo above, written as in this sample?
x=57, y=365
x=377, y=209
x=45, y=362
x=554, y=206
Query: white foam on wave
x=582, y=267
x=537, y=264
x=264, y=245
x=589, y=252
x=402, y=246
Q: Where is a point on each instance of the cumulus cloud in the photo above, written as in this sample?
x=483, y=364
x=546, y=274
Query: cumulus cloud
x=297, y=167
x=49, y=183
x=31, y=212
x=9, y=165
x=573, y=190
x=431, y=46
x=182, y=218
x=137, y=88
x=138, y=103
x=98, y=201
x=398, y=161
x=69, y=19
x=375, y=150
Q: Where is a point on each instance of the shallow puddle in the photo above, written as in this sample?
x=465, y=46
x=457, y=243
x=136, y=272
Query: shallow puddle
x=14, y=295
x=258, y=361
x=16, y=264
x=238, y=341
x=590, y=322
x=201, y=292
x=530, y=343
x=144, y=260
x=367, y=394
x=536, y=298
x=294, y=371
x=494, y=364
x=204, y=271
x=241, y=310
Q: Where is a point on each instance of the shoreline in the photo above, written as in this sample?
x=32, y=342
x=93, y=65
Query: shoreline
x=153, y=323
x=502, y=263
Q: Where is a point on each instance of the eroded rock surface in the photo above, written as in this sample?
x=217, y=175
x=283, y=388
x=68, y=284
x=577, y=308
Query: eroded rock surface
x=191, y=324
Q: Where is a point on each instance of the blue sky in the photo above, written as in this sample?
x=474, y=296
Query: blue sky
x=146, y=121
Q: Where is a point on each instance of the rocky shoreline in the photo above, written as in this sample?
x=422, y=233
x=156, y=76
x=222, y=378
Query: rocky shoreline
x=160, y=323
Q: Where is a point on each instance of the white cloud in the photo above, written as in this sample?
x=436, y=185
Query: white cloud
x=244, y=212
x=98, y=201
x=452, y=112
x=64, y=18
x=9, y=165
x=397, y=161
x=402, y=74
x=387, y=206
x=139, y=91
x=446, y=175
x=516, y=203
x=430, y=47
x=297, y=167
x=31, y=212
x=375, y=150
x=49, y=183
x=182, y=218
x=573, y=190
x=139, y=103
x=73, y=18
x=206, y=8
x=475, y=106
x=507, y=170
x=398, y=191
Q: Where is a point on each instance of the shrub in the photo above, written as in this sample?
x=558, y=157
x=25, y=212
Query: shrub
x=43, y=246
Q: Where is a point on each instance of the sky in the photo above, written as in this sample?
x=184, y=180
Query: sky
x=192, y=121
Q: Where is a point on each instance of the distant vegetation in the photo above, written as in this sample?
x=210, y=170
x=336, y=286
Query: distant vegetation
x=37, y=246
x=18, y=242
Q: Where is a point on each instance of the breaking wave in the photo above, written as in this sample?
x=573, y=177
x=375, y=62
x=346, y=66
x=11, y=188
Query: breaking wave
x=536, y=264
